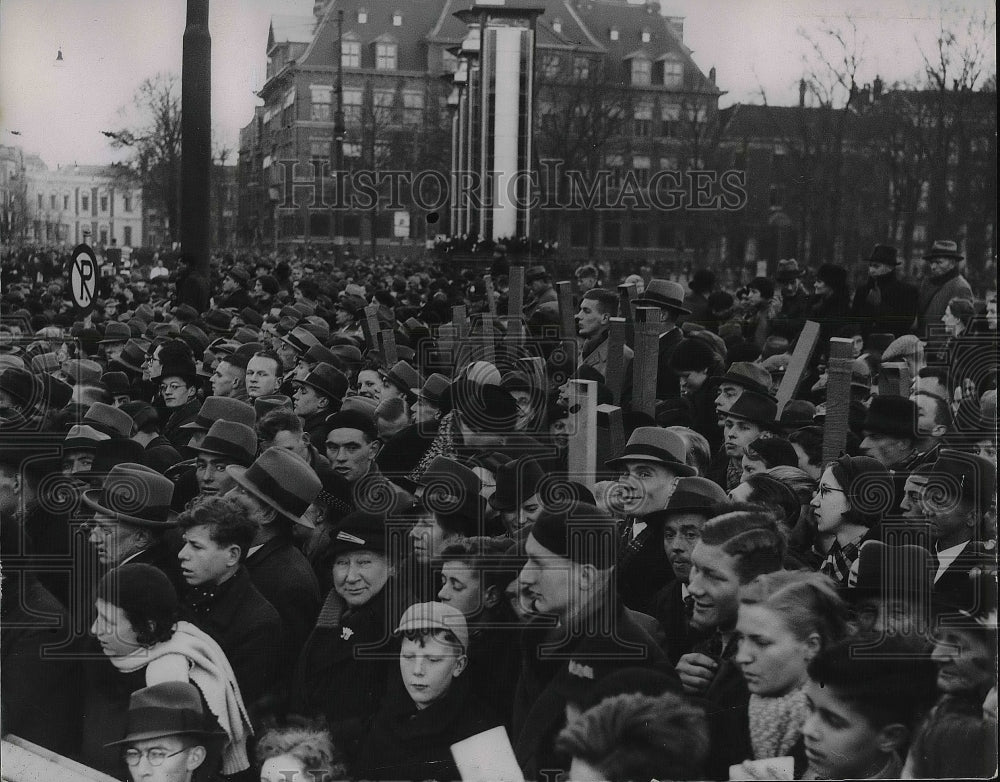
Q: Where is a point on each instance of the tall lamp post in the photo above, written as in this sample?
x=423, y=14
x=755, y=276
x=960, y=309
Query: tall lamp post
x=339, y=133
x=196, y=153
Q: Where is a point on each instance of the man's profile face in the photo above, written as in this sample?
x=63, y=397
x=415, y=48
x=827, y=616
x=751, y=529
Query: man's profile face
x=177, y=759
x=546, y=580
x=224, y=379
x=589, y=319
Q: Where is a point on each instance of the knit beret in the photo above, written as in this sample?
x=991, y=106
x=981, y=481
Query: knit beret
x=580, y=532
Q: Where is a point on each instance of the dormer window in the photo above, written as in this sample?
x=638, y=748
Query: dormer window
x=646, y=36
x=613, y=34
x=362, y=16
x=641, y=71
x=557, y=25
x=397, y=19
x=385, y=56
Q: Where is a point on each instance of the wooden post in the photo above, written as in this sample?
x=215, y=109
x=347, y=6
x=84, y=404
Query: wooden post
x=515, y=305
x=648, y=325
x=894, y=379
x=626, y=295
x=491, y=295
x=582, y=455
x=614, y=374
x=388, y=339
x=838, y=398
x=610, y=434
x=805, y=345
x=369, y=326
x=566, y=309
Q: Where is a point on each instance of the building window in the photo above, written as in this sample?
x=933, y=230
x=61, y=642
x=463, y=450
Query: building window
x=84, y=203
x=352, y=150
x=557, y=25
x=581, y=68
x=352, y=106
x=640, y=163
x=645, y=36
x=52, y=202
x=65, y=202
x=397, y=19
x=322, y=100
x=638, y=234
x=128, y=204
x=128, y=236
x=104, y=236
x=612, y=233
x=385, y=56
x=668, y=163
x=673, y=73
x=449, y=62
x=362, y=16
x=350, y=54
x=550, y=66
x=615, y=164
x=383, y=105
x=643, y=120
x=641, y=69
x=613, y=34
x=413, y=107
x=319, y=149
x=104, y=203
x=41, y=202
x=671, y=117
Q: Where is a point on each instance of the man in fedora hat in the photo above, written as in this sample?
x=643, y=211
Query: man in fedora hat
x=752, y=415
x=168, y=735
x=669, y=297
x=648, y=468
x=220, y=597
x=276, y=491
x=225, y=444
x=538, y=281
x=131, y=519
x=790, y=319
x=316, y=396
x=943, y=283
x=884, y=302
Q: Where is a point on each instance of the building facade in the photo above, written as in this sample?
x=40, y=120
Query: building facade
x=617, y=98
x=99, y=205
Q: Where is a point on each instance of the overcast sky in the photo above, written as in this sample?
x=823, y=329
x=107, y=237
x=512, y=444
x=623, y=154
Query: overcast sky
x=110, y=46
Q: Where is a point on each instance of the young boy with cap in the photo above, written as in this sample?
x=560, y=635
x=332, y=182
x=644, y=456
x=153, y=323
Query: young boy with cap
x=411, y=735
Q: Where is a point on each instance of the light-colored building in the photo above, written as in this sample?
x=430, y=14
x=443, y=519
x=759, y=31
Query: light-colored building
x=12, y=195
x=74, y=204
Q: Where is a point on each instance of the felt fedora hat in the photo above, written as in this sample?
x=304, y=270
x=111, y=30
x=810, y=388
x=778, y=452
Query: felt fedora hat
x=327, y=380
x=185, y=313
x=321, y=354
x=83, y=438
x=664, y=294
x=166, y=709
x=282, y=480
x=891, y=572
x=237, y=442
x=757, y=408
x=110, y=453
x=944, y=248
x=111, y=420
x=55, y=392
x=536, y=273
x=435, y=389
x=263, y=405
x=132, y=356
x=301, y=339
x=222, y=408
x=135, y=494
x=22, y=386
x=516, y=481
x=884, y=253
x=116, y=332
x=81, y=370
x=117, y=383
x=404, y=377
x=45, y=362
x=895, y=416
x=653, y=444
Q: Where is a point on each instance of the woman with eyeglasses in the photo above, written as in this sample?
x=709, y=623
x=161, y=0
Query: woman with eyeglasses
x=144, y=644
x=854, y=493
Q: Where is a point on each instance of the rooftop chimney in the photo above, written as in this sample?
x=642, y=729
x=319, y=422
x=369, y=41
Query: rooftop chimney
x=802, y=93
x=711, y=74
x=676, y=25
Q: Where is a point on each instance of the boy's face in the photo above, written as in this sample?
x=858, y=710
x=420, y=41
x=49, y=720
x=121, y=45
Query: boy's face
x=427, y=667
x=715, y=585
x=203, y=561
x=460, y=587
x=840, y=742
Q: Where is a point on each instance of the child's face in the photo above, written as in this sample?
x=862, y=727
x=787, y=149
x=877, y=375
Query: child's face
x=840, y=742
x=427, y=667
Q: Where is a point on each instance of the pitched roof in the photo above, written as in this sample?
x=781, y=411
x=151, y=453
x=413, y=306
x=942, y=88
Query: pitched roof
x=290, y=29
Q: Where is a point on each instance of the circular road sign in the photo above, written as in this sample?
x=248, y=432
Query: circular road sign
x=83, y=275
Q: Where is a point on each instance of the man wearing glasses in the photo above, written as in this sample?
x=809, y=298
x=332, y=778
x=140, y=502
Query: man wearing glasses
x=168, y=736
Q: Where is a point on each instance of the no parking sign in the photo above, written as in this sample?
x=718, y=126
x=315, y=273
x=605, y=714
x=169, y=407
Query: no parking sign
x=83, y=272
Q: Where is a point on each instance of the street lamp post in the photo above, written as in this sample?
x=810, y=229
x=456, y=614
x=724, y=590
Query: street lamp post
x=196, y=152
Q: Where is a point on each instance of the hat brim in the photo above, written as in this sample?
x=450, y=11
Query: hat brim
x=771, y=426
x=319, y=389
x=238, y=474
x=642, y=301
x=88, y=498
x=945, y=254
x=682, y=470
x=132, y=738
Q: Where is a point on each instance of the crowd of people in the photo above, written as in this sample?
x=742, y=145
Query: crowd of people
x=350, y=515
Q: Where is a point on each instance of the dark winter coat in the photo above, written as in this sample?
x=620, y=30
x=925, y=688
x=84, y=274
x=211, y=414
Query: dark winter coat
x=885, y=305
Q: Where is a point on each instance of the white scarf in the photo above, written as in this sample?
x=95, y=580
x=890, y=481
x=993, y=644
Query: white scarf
x=210, y=671
x=776, y=723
